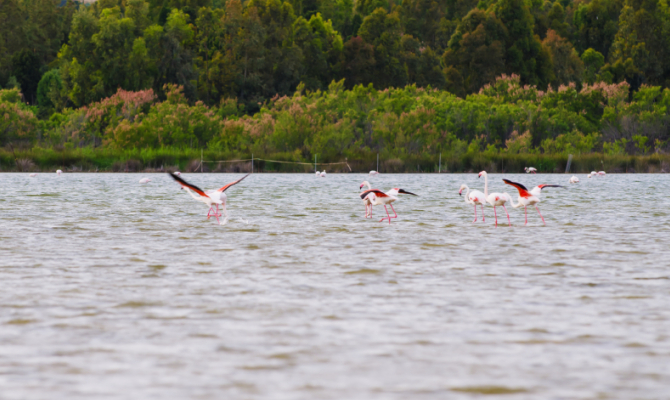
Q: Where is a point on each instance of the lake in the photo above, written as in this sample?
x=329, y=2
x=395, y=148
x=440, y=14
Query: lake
x=112, y=289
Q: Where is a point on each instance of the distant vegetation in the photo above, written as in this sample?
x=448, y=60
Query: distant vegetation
x=497, y=85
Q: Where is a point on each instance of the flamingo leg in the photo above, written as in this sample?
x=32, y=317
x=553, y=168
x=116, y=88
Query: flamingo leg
x=508, y=220
x=387, y=213
x=475, y=214
x=538, y=211
x=396, y=214
x=525, y=213
x=209, y=211
x=495, y=215
x=483, y=216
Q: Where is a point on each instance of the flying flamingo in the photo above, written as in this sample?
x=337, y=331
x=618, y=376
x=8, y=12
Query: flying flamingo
x=495, y=199
x=528, y=198
x=473, y=197
x=368, y=203
x=211, y=197
x=145, y=180
x=530, y=170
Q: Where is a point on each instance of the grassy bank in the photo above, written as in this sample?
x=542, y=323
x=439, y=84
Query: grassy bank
x=147, y=160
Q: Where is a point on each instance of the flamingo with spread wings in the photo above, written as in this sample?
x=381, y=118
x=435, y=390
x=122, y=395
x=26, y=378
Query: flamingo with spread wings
x=367, y=200
x=211, y=197
x=528, y=198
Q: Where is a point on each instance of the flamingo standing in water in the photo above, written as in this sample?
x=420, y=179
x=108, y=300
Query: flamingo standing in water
x=495, y=199
x=473, y=197
x=368, y=202
x=323, y=174
x=574, y=179
x=377, y=197
x=528, y=198
x=58, y=172
x=145, y=180
x=211, y=197
x=374, y=173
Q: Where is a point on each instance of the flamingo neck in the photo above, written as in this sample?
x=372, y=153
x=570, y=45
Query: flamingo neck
x=467, y=194
x=486, y=185
x=511, y=201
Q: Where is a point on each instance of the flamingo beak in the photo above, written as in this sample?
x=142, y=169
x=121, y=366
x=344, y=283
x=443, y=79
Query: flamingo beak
x=459, y=192
x=406, y=192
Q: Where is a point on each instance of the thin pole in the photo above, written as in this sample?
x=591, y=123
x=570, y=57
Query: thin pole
x=314, y=162
x=439, y=171
x=252, y=163
x=377, y=162
x=201, y=161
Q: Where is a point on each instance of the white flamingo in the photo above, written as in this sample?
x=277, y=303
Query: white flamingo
x=211, y=198
x=530, y=170
x=33, y=175
x=58, y=172
x=574, y=179
x=145, y=180
x=323, y=174
x=495, y=199
x=473, y=197
x=528, y=198
x=374, y=173
x=602, y=173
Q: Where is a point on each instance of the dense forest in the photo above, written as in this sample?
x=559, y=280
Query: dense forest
x=345, y=79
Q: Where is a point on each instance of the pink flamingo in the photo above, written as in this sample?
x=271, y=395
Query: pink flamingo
x=528, y=198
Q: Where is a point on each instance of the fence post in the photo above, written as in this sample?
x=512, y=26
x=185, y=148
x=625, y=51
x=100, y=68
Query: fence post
x=314, y=162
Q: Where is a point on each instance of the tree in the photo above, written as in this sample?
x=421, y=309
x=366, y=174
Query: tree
x=384, y=31
x=321, y=49
x=476, y=53
x=567, y=66
x=359, y=62
x=596, y=25
x=26, y=69
x=593, y=61
x=644, y=38
x=524, y=54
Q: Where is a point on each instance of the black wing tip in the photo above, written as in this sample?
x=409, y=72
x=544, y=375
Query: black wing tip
x=403, y=191
x=507, y=181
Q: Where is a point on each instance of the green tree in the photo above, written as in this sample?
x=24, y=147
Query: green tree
x=596, y=24
x=384, y=31
x=322, y=49
x=568, y=67
x=26, y=69
x=593, y=61
x=524, y=54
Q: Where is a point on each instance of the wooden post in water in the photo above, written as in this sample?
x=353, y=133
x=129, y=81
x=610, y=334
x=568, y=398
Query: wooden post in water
x=439, y=169
x=315, y=163
x=201, y=161
x=567, y=167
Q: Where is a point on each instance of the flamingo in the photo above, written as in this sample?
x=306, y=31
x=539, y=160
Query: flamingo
x=495, y=199
x=473, y=197
x=528, y=198
x=318, y=174
x=177, y=173
x=574, y=179
x=33, y=175
x=374, y=173
x=323, y=174
x=602, y=173
x=215, y=197
x=368, y=203
x=145, y=180
x=377, y=197
x=530, y=170
x=58, y=172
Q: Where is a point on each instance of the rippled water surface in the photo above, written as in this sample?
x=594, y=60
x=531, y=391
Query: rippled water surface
x=111, y=289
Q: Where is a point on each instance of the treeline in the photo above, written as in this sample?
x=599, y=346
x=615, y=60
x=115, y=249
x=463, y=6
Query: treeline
x=67, y=54
x=409, y=125
x=338, y=78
